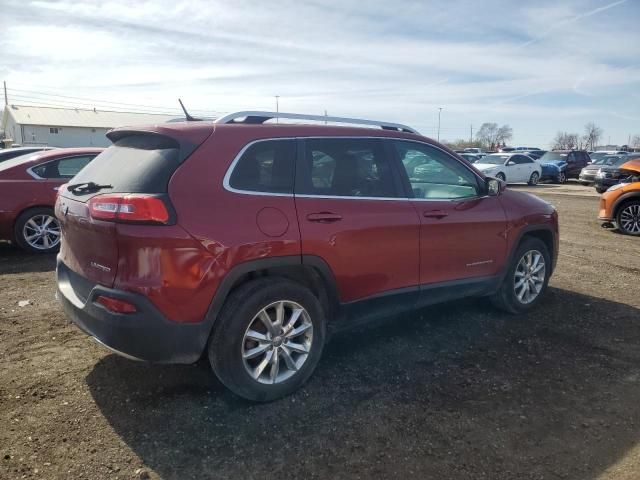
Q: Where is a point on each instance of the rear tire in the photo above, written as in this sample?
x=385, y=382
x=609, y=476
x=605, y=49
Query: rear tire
x=508, y=296
x=37, y=230
x=244, y=351
x=628, y=218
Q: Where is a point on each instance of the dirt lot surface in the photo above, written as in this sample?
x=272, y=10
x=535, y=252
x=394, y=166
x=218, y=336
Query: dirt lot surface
x=456, y=391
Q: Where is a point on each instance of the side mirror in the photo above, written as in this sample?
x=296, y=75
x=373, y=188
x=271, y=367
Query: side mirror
x=494, y=186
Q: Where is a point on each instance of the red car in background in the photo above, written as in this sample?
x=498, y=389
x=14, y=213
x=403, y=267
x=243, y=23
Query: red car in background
x=28, y=187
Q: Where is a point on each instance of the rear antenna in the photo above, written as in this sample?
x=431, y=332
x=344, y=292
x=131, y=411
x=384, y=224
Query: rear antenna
x=186, y=114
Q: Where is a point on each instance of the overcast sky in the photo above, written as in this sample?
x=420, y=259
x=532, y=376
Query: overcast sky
x=540, y=67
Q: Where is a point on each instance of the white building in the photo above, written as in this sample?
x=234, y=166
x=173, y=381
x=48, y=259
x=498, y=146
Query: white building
x=68, y=127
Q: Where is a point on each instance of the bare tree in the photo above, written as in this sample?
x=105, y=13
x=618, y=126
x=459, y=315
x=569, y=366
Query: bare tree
x=491, y=136
x=635, y=141
x=566, y=141
x=461, y=143
x=592, y=135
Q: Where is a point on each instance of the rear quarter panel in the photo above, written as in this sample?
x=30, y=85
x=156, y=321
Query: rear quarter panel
x=18, y=195
x=216, y=230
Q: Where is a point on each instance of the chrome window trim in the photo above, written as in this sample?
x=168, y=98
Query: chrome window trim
x=226, y=185
x=227, y=177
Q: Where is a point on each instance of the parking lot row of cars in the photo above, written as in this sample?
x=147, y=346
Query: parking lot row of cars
x=31, y=177
x=600, y=169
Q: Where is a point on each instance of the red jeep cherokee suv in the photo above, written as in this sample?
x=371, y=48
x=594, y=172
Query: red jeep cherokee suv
x=246, y=241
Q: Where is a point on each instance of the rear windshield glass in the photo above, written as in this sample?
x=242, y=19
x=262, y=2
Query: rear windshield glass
x=14, y=162
x=140, y=163
x=554, y=156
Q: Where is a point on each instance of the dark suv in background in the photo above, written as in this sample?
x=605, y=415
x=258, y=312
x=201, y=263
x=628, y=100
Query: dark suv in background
x=246, y=242
x=610, y=173
x=575, y=160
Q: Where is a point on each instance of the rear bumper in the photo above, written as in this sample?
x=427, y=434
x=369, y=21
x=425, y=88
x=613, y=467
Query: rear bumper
x=144, y=335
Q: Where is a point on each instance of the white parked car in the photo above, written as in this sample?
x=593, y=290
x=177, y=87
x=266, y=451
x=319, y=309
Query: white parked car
x=510, y=167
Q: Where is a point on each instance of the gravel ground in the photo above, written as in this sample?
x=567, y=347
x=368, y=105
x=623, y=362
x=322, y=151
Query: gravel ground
x=454, y=391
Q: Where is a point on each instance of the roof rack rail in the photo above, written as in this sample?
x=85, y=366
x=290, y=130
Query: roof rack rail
x=256, y=118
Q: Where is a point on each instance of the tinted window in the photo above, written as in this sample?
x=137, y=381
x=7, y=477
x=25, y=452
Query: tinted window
x=434, y=174
x=8, y=154
x=140, y=163
x=266, y=167
x=554, y=156
x=63, y=168
x=519, y=159
x=346, y=168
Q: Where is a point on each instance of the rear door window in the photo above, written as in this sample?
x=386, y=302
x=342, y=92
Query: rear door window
x=266, y=166
x=346, y=167
x=64, y=167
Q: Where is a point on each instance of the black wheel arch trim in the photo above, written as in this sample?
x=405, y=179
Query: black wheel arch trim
x=622, y=199
x=229, y=281
x=531, y=229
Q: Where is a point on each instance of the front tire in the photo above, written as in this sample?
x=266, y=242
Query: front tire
x=535, y=177
x=268, y=339
x=628, y=218
x=37, y=230
x=501, y=176
x=600, y=190
x=562, y=177
x=526, y=279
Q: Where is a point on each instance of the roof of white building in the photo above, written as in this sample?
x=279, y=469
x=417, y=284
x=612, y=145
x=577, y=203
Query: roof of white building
x=76, y=117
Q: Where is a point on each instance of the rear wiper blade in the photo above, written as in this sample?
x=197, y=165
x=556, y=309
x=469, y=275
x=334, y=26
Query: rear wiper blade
x=86, y=187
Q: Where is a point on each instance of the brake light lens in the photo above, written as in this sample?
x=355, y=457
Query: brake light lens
x=136, y=208
x=116, y=305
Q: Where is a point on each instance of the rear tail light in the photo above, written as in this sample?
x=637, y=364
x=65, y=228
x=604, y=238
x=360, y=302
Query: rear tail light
x=116, y=305
x=136, y=208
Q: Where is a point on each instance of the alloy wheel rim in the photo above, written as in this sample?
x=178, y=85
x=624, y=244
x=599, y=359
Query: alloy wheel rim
x=529, y=276
x=42, y=232
x=277, y=342
x=534, y=178
x=563, y=177
x=630, y=219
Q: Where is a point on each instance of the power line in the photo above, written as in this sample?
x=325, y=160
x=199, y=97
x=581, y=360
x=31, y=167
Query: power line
x=77, y=106
x=58, y=99
x=93, y=100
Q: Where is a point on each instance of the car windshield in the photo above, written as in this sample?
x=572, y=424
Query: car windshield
x=612, y=160
x=493, y=159
x=554, y=156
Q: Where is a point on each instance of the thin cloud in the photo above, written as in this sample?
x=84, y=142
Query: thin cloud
x=556, y=26
x=400, y=64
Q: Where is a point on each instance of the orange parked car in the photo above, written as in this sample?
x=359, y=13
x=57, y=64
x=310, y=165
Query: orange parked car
x=621, y=203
